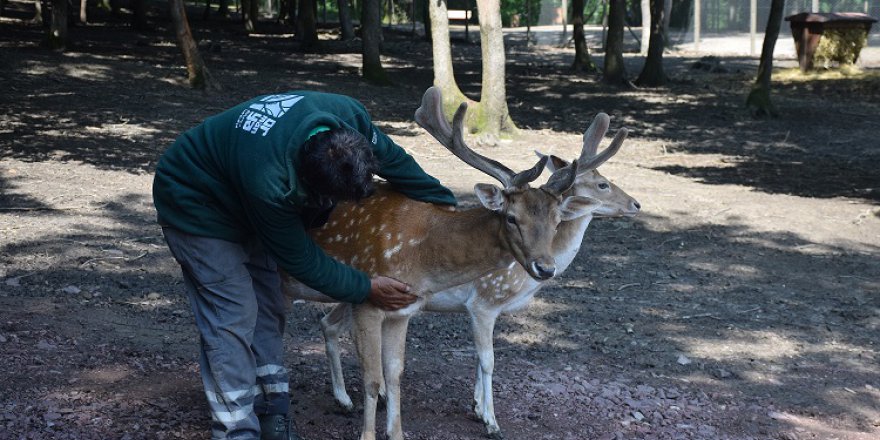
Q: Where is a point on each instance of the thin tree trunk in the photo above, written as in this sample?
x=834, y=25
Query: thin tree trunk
x=426, y=18
x=646, y=26
x=38, y=13
x=371, y=34
x=249, y=12
x=444, y=77
x=493, y=117
x=83, y=15
x=57, y=36
x=758, y=101
x=345, y=20
x=615, y=71
x=198, y=75
x=653, y=74
x=582, y=60
x=306, y=24
x=223, y=8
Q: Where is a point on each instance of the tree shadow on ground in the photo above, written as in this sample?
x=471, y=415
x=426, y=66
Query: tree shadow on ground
x=640, y=294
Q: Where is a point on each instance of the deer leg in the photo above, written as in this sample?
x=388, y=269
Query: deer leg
x=393, y=355
x=483, y=325
x=367, y=334
x=332, y=325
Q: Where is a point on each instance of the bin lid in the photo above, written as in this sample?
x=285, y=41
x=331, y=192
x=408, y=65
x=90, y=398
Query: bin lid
x=828, y=17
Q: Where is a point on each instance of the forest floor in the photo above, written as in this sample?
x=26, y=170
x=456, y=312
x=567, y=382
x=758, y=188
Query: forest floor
x=742, y=303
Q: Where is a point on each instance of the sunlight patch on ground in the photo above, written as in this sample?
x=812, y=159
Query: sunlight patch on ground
x=87, y=72
x=123, y=130
x=760, y=345
x=845, y=73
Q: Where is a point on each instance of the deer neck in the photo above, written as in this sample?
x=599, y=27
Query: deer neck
x=461, y=247
x=568, y=240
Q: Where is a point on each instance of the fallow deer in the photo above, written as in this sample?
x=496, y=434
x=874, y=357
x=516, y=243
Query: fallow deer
x=507, y=289
x=434, y=249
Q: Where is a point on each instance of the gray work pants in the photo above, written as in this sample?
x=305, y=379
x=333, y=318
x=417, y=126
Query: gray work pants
x=235, y=293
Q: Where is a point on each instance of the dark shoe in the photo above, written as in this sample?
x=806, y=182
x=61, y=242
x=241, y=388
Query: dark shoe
x=277, y=427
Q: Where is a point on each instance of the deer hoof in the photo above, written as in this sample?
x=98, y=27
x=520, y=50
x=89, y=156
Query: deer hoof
x=496, y=435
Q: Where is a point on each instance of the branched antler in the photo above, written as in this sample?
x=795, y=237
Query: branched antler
x=589, y=160
x=430, y=117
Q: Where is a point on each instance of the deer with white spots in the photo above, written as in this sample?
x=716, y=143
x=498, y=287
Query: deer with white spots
x=510, y=288
x=433, y=249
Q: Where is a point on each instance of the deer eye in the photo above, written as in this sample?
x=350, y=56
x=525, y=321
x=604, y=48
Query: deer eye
x=604, y=185
x=511, y=220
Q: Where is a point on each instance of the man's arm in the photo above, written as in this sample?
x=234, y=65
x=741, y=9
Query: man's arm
x=284, y=235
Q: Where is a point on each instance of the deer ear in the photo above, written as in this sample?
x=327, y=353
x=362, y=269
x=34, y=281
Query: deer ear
x=491, y=196
x=554, y=163
x=578, y=206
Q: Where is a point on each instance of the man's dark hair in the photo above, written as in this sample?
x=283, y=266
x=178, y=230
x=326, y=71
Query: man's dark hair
x=339, y=164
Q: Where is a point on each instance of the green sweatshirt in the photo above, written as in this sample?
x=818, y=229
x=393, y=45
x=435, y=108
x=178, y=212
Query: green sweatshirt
x=233, y=177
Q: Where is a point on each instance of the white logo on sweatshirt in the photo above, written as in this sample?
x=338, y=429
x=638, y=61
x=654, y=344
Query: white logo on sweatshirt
x=263, y=114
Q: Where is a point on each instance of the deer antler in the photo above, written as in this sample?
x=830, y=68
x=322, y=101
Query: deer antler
x=430, y=117
x=589, y=160
x=594, y=134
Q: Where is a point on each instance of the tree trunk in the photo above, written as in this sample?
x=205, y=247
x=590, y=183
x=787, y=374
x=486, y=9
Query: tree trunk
x=223, y=8
x=83, y=15
x=198, y=75
x=345, y=20
x=371, y=34
x=426, y=19
x=615, y=71
x=444, y=77
x=250, y=11
x=38, y=13
x=139, y=14
x=492, y=115
x=652, y=73
x=306, y=24
x=582, y=60
x=646, y=26
x=758, y=101
x=57, y=36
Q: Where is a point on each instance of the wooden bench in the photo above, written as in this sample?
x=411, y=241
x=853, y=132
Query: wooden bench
x=459, y=15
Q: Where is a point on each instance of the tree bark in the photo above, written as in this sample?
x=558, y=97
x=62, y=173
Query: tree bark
x=492, y=115
x=758, y=101
x=250, y=11
x=306, y=24
x=198, y=75
x=57, y=35
x=83, y=14
x=614, y=69
x=653, y=74
x=444, y=77
x=38, y=13
x=646, y=26
x=426, y=18
x=345, y=20
x=582, y=60
x=371, y=49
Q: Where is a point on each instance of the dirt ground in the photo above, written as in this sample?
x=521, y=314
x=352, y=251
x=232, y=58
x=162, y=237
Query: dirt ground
x=742, y=303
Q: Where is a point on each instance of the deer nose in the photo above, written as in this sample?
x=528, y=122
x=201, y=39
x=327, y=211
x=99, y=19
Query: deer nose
x=543, y=270
x=637, y=205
